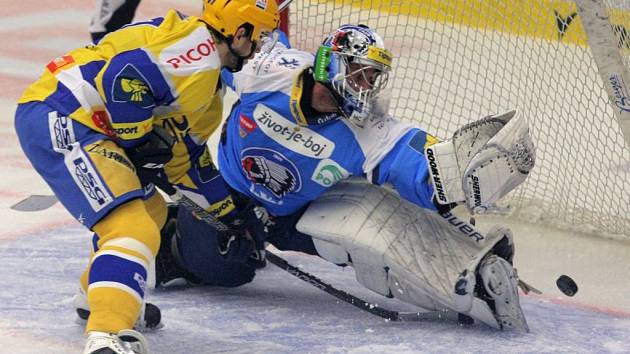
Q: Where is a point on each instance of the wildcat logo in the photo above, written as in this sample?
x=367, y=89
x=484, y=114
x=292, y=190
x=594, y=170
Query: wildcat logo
x=328, y=172
x=270, y=169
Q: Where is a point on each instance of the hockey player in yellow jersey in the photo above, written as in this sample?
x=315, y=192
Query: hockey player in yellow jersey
x=105, y=123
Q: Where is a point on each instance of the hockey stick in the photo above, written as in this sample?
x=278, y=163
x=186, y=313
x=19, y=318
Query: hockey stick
x=38, y=203
x=35, y=203
x=344, y=296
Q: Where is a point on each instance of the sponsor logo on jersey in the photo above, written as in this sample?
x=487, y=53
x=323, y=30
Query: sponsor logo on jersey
x=59, y=63
x=128, y=131
x=246, y=126
x=88, y=180
x=328, y=172
x=435, y=175
x=110, y=154
x=463, y=227
x=270, y=171
x=131, y=86
x=293, y=137
x=62, y=131
x=222, y=207
x=198, y=51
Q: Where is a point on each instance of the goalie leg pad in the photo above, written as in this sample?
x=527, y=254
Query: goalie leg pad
x=397, y=248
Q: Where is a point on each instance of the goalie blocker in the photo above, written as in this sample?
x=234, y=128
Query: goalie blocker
x=482, y=162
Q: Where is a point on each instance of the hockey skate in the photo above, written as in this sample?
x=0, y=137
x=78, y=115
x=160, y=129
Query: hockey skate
x=150, y=315
x=125, y=342
x=498, y=286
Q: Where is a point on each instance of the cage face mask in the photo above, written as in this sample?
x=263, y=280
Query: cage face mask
x=353, y=62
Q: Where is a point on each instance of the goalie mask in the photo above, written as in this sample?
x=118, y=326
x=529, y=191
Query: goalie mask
x=354, y=64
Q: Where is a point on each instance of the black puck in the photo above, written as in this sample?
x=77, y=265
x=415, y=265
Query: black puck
x=567, y=285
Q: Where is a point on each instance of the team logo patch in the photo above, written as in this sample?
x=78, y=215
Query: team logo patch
x=293, y=137
x=131, y=86
x=270, y=171
x=328, y=172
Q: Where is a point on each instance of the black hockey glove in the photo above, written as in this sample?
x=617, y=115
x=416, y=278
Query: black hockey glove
x=244, y=241
x=150, y=158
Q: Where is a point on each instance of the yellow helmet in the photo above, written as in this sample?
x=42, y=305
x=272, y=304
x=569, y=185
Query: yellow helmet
x=227, y=16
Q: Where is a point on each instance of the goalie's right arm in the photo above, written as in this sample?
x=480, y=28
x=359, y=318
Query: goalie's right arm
x=483, y=161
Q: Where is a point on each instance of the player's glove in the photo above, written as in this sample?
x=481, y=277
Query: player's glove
x=244, y=242
x=150, y=158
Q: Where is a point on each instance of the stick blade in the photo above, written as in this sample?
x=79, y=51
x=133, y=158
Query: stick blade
x=35, y=203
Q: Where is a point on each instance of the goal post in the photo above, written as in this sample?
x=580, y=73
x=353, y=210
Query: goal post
x=459, y=60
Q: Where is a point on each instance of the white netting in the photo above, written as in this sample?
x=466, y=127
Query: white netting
x=457, y=61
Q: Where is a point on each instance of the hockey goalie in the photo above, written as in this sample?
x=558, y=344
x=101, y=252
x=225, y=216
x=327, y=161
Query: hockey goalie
x=304, y=124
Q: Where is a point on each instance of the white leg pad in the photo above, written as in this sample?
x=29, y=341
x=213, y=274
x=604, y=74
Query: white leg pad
x=397, y=248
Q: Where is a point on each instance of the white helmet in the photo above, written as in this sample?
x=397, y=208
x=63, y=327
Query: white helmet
x=353, y=62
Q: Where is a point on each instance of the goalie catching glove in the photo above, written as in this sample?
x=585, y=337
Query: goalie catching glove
x=483, y=161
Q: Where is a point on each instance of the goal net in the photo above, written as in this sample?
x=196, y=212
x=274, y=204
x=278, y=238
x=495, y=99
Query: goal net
x=460, y=60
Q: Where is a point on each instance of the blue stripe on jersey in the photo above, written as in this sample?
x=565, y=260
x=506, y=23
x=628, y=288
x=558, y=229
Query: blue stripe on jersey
x=62, y=100
x=111, y=268
x=90, y=70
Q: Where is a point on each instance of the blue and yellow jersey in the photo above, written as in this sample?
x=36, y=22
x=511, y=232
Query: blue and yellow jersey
x=141, y=75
